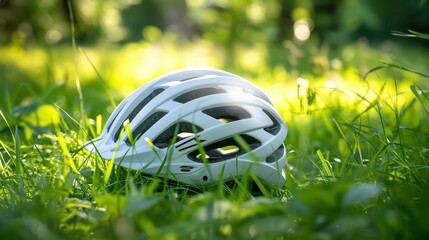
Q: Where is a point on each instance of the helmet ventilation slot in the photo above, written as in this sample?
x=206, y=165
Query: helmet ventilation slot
x=194, y=94
x=227, y=114
x=275, y=128
x=276, y=155
x=139, y=107
x=182, y=129
x=225, y=149
x=219, y=152
x=143, y=103
x=186, y=168
x=145, y=125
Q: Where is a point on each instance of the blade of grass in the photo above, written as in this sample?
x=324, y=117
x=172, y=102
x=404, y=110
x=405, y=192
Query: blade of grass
x=411, y=34
x=108, y=170
x=202, y=151
x=242, y=192
x=66, y=153
x=397, y=66
x=260, y=185
x=7, y=124
x=18, y=162
x=83, y=118
x=326, y=165
x=103, y=82
x=24, y=176
x=6, y=148
x=421, y=97
x=220, y=187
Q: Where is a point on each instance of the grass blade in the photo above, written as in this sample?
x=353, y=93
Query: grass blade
x=66, y=153
x=103, y=82
x=78, y=85
x=397, y=66
x=421, y=97
x=326, y=165
x=411, y=34
x=18, y=152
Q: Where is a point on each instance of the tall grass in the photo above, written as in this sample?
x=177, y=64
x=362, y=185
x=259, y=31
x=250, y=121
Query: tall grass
x=357, y=152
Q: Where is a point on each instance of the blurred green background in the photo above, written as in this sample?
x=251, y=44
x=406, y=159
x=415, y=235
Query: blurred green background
x=223, y=22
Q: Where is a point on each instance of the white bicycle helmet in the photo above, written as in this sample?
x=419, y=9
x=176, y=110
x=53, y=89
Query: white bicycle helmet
x=195, y=126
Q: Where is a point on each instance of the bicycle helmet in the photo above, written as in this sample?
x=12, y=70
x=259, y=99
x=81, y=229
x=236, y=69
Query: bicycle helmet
x=194, y=126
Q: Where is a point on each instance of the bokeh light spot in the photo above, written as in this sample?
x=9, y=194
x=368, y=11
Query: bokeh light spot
x=331, y=84
x=53, y=36
x=302, y=82
x=301, y=30
x=256, y=12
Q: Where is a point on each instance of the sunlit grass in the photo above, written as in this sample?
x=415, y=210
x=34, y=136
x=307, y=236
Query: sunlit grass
x=357, y=147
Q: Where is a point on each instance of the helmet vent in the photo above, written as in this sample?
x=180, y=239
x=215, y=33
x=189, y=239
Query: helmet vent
x=276, y=155
x=186, y=168
x=182, y=130
x=227, y=114
x=275, y=128
x=145, y=125
x=194, y=94
x=139, y=107
x=219, y=152
x=143, y=103
x=224, y=150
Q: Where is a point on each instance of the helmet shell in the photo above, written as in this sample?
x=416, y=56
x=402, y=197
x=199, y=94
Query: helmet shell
x=197, y=125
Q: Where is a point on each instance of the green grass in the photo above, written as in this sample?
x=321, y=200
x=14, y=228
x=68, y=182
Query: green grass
x=357, y=148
